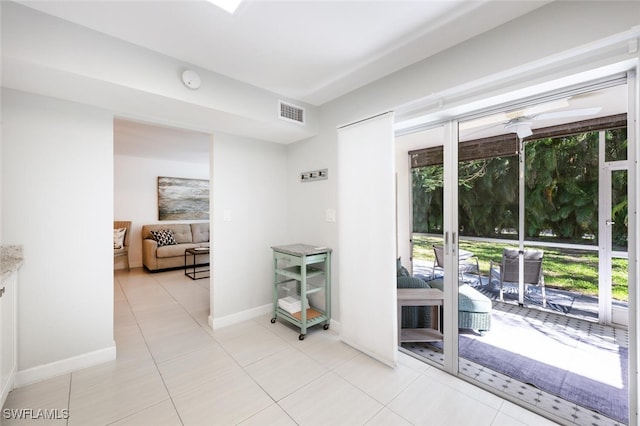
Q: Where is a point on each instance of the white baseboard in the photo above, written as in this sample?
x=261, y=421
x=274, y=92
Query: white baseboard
x=384, y=360
x=249, y=314
x=254, y=313
x=68, y=365
x=335, y=326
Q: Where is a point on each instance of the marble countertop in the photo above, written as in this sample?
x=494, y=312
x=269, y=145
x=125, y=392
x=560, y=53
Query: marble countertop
x=301, y=249
x=12, y=260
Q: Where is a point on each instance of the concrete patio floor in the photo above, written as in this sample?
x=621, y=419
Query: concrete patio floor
x=559, y=301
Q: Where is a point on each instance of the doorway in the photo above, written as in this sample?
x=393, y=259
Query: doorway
x=143, y=151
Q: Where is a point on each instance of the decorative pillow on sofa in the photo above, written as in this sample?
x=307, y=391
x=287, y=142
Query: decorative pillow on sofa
x=164, y=237
x=118, y=237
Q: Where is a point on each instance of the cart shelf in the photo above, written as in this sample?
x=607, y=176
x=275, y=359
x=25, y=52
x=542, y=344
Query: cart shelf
x=298, y=263
x=295, y=272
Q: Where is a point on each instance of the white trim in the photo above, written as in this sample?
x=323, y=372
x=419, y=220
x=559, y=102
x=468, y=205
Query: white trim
x=239, y=317
x=250, y=314
x=633, y=249
x=64, y=366
x=582, y=64
x=604, y=235
x=361, y=120
x=451, y=264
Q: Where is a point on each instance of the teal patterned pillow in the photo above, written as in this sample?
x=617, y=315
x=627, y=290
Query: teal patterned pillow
x=164, y=237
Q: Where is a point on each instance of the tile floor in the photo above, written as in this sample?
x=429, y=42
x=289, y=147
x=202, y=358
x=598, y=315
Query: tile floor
x=172, y=369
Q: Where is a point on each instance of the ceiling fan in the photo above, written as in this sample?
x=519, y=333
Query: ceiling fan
x=521, y=121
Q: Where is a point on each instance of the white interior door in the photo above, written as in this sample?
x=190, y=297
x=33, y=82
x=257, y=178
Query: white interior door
x=367, y=240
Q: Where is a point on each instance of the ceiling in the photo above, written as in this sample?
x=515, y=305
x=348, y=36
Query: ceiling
x=308, y=50
x=606, y=101
x=138, y=139
x=588, y=105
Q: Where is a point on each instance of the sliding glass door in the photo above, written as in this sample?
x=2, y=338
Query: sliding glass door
x=614, y=228
x=431, y=234
x=528, y=206
x=546, y=213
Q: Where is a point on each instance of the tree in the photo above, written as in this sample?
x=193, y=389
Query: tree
x=488, y=197
x=561, y=191
x=561, y=182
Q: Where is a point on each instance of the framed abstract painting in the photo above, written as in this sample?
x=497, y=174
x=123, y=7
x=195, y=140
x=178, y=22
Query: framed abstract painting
x=183, y=199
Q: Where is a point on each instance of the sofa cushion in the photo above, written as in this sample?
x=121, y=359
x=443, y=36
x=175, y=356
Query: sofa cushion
x=469, y=299
x=200, y=232
x=164, y=237
x=181, y=231
x=176, y=250
x=411, y=282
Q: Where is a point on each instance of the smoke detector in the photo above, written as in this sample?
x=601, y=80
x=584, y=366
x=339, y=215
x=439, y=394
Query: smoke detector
x=191, y=79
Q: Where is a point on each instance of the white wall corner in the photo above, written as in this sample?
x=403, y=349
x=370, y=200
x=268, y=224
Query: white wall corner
x=241, y=316
x=336, y=326
x=58, y=368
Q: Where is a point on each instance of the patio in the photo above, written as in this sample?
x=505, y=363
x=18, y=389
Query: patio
x=557, y=358
x=563, y=302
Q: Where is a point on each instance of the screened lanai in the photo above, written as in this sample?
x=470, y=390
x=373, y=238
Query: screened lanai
x=558, y=186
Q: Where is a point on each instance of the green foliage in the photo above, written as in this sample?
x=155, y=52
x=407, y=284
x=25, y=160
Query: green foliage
x=427, y=199
x=566, y=269
x=561, y=192
x=561, y=181
x=488, y=189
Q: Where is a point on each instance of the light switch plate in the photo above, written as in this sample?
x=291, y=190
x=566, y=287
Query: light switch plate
x=330, y=215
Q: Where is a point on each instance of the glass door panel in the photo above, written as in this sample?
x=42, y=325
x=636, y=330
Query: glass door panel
x=613, y=232
x=619, y=224
x=422, y=326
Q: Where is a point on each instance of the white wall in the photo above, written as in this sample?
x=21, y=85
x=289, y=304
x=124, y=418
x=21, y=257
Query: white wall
x=135, y=189
x=57, y=201
x=249, y=187
x=483, y=66
x=120, y=76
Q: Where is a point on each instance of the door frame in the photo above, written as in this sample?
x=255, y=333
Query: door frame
x=607, y=313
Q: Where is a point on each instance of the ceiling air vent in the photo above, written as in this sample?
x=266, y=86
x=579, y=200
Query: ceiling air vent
x=291, y=112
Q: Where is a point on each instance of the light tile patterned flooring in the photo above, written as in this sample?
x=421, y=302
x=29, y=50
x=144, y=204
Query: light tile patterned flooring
x=172, y=369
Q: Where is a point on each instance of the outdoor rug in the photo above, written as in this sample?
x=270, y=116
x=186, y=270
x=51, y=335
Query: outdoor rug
x=579, y=361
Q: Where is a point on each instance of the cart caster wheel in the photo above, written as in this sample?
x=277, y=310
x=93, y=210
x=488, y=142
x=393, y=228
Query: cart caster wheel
x=301, y=337
x=273, y=320
x=326, y=326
